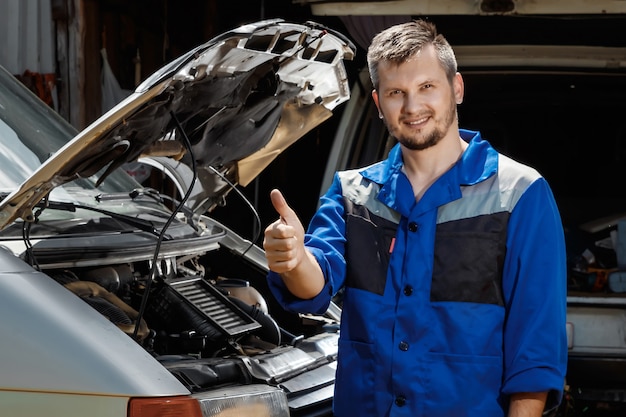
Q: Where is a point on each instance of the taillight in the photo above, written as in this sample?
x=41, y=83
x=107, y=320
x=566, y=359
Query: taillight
x=182, y=406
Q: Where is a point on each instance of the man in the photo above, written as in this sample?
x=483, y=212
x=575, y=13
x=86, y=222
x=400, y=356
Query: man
x=451, y=257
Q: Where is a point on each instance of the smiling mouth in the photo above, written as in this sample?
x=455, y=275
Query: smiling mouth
x=417, y=122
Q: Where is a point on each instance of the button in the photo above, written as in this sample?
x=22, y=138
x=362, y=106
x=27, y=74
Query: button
x=408, y=290
x=413, y=227
x=404, y=346
x=400, y=401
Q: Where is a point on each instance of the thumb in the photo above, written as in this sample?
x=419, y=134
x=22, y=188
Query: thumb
x=287, y=215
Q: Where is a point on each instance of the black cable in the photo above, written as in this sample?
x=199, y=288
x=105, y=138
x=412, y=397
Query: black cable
x=26, y=226
x=155, y=259
x=248, y=203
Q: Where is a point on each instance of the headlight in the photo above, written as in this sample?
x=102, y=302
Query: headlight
x=247, y=400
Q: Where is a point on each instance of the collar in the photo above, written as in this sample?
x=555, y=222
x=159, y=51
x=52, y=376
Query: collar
x=477, y=163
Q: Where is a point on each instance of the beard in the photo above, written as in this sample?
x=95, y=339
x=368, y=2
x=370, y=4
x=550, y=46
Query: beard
x=424, y=140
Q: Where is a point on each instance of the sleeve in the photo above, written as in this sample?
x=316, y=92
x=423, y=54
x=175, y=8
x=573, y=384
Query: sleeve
x=535, y=290
x=325, y=238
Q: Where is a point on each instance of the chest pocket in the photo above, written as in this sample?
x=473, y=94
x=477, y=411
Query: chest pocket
x=469, y=259
x=368, y=244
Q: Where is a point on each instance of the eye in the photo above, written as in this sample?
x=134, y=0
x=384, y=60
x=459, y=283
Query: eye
x=395, y=92
x=427, y=86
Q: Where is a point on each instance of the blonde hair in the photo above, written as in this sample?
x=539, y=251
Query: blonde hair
x=401, y=42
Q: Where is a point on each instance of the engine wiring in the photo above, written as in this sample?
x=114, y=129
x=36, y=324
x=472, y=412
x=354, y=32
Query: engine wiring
x=179, y=207
x=157, y=249
x=248, y=203
x=30, y=256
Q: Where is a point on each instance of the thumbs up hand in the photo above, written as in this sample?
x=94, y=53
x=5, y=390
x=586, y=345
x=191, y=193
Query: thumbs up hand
x=286, y=254
x=284, y=239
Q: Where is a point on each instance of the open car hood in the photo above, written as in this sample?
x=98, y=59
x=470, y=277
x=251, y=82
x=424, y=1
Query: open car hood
x=236, y=101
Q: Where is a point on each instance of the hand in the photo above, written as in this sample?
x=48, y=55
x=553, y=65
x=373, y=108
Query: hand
x=284, y=239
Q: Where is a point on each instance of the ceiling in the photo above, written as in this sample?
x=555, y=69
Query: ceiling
x=463, y=7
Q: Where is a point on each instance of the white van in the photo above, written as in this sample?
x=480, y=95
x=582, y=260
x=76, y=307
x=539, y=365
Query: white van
x=545, y=84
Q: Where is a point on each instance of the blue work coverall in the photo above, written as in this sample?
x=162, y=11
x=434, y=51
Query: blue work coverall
x=450, y=303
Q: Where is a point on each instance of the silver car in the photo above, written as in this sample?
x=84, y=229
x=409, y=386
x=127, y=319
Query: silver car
x=118, y=300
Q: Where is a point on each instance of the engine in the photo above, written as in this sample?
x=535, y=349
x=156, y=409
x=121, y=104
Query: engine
x=183, y=315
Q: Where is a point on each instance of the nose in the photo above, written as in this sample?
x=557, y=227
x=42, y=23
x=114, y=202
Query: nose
x=412, y=103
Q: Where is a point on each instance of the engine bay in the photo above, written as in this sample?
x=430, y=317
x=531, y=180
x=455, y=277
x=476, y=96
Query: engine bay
x=207, y=330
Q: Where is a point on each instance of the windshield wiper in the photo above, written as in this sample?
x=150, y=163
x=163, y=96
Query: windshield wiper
x=152, y=194
x=141, y=224
x=133, y=195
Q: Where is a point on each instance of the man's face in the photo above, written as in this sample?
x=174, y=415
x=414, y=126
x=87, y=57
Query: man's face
x=416, y=100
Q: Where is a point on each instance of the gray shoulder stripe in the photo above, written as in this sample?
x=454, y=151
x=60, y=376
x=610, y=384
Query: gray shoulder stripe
x=496, y=194
x=362, y=192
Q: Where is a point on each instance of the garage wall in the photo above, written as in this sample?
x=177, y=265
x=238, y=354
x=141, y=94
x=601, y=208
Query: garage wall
x=26, y=36
x=27, y=45
x=139, y=37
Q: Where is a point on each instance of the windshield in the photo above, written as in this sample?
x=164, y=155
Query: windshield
x=30, y=132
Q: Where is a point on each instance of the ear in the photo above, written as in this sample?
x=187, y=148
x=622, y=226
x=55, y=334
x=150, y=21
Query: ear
x=459, y=88
x=375, y=97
